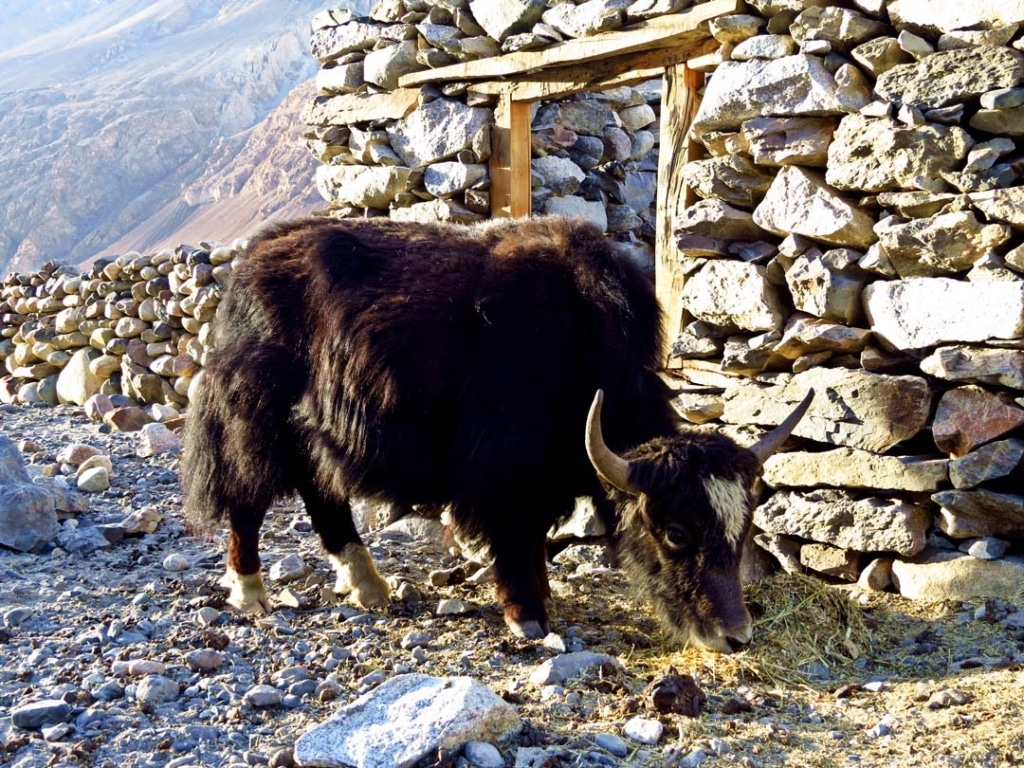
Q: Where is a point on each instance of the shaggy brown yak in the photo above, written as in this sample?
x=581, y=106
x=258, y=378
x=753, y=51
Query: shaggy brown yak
x=438, y=364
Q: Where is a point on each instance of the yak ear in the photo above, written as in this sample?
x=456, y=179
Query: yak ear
x=771, y=442
x=608, y=464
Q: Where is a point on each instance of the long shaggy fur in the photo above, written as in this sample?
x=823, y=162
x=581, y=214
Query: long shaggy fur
x=422, y=364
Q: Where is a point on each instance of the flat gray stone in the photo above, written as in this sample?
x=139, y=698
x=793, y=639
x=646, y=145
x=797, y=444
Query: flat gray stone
x=37, y=714
x=566, y=665
x=980, y=512
x=854, y=469
x=852, y=408
x=28, y=516
x=951, y=77
x=846, y=521
x=940, y=575
x=988, y=462
x=977, y=365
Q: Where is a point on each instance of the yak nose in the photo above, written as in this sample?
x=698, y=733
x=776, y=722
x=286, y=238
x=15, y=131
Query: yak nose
x=737, y=643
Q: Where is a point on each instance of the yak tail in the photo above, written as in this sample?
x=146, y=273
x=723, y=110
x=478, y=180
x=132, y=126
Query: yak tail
x=200, y=458
x=233, y=462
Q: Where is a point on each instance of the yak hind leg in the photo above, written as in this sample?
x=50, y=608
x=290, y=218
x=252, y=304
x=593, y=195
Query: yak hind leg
x=357, y=575
x=243, y=577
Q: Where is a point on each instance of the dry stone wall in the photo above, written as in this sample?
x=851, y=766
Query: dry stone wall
x=858, y=231
x=422, y=154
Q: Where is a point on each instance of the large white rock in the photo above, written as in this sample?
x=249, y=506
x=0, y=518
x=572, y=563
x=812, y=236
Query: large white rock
x=406, y=719
x=876, y=154
x=947, y=575
x=791, y=86
x=800, y=202
x=77, y=382
x=507, y=17
x=734, y=294
x=922, y=312
x=947, y=15
x=440, y=130
x=363, y=185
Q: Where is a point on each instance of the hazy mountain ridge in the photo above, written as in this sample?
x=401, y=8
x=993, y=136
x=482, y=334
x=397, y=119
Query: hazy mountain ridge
x=124, y=123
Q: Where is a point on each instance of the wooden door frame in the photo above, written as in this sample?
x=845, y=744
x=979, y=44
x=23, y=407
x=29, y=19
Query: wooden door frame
x=663, y=47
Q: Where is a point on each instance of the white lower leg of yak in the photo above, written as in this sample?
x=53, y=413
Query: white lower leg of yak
x=247, y=593
x=358, y=576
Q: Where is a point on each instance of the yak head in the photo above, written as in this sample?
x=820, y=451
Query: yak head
x=684, y=505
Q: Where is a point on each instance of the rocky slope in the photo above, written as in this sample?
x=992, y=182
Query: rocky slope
x=114, y=120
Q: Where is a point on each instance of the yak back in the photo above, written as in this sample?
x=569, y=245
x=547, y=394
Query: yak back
x=428, y=363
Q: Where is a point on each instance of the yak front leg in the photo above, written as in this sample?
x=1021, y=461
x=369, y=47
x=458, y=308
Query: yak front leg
x=243, y=577
x=520, y=575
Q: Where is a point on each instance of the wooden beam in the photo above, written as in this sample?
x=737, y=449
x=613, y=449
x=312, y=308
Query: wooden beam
x=630, y=69
x=509, y=164
x=679, y=103
x=684, y=28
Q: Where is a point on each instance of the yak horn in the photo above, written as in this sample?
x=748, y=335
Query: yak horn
x=771, y=442
x=608, y=464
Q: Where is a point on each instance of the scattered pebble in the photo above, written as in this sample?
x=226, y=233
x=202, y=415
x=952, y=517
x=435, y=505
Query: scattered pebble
x=643, y=730
x=176, y=563
x=154, y=690
x=612, y=743
x=260, y=696
x=480, y=754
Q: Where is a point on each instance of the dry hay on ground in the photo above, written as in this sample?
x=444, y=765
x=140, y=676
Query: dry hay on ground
x=800, y=623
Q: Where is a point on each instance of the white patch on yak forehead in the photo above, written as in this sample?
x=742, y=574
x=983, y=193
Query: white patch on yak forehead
x=729, y=498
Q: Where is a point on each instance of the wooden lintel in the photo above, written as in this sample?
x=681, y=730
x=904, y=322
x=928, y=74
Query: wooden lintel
x=677, y=28
x=629, y=69
x=509, y=164
x=679, y=103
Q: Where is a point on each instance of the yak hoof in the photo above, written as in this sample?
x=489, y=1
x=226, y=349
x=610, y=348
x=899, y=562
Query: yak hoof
x=358, y=577
x=372, y=594
x=247, y=595
x=528, y=630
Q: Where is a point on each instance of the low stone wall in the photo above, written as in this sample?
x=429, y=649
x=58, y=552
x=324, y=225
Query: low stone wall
x=133, y=327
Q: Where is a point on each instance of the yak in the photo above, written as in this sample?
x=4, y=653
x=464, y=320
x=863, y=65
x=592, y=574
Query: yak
x=466, y=366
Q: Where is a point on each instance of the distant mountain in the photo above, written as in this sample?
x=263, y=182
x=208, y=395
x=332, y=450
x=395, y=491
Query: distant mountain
x=131, y=125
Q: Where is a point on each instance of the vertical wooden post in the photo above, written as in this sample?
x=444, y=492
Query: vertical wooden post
x=510, y=158
x=679, y=103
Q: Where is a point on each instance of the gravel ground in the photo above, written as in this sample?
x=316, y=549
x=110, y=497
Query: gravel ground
x=135, y=649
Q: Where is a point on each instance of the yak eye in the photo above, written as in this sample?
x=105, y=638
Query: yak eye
x=677, y=536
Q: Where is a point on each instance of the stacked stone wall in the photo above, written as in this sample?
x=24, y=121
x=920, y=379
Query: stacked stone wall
x=859, y=231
